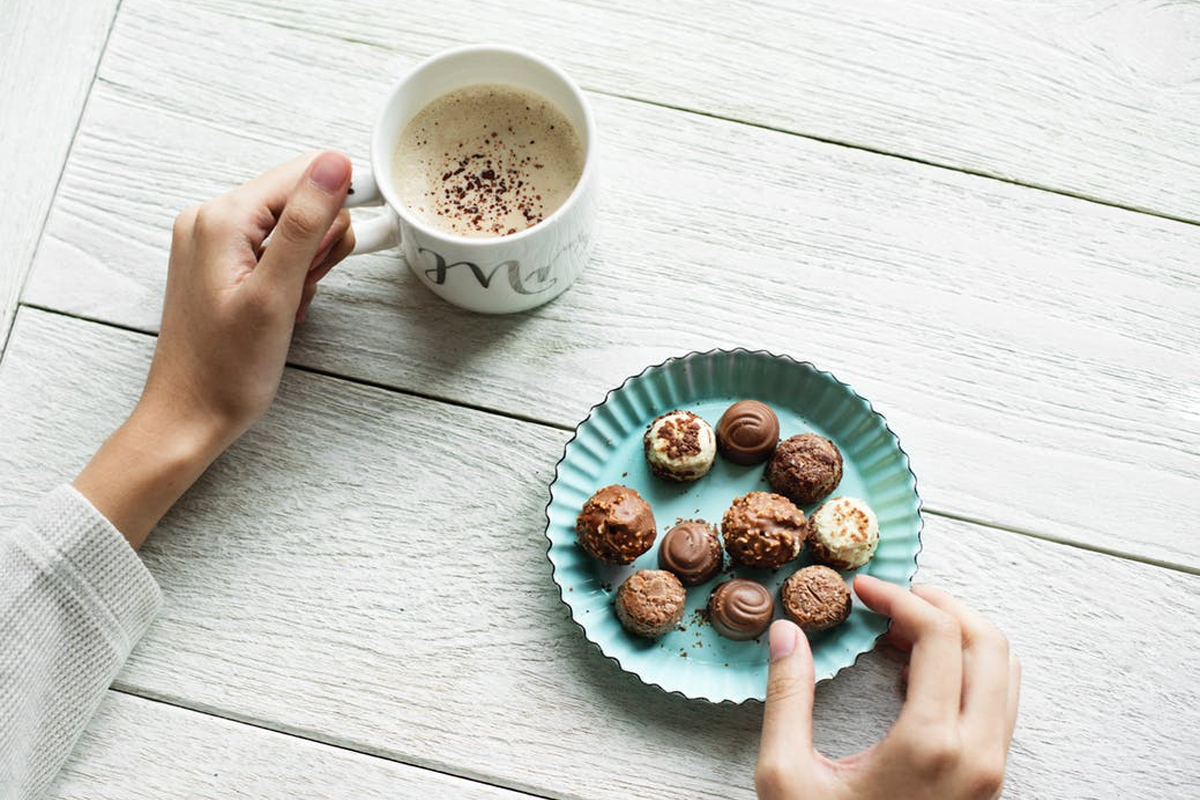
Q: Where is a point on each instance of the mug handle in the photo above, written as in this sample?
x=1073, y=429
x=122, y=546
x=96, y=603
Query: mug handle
x=374, y=233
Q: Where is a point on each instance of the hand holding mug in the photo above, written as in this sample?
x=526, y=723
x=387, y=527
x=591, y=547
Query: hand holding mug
x=232, y=301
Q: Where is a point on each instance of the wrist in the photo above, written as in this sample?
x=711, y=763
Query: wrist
x=176, y=440
x=147, y=464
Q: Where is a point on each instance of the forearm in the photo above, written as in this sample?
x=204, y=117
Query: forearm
x=146, y=465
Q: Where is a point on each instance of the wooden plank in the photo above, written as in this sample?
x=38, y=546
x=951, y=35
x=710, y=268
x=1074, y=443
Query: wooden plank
x=1097, y=98
x=139, y=748
x=47, y=60
x=1035, y=353
x=368, y=569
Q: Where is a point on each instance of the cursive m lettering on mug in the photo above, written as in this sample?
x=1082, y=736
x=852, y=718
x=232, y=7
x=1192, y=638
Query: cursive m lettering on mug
x=437, y=273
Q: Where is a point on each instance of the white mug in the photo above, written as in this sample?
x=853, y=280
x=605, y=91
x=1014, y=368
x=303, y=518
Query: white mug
x=497, y=275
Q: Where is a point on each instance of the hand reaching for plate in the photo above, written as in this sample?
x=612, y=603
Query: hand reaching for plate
x=951, y=739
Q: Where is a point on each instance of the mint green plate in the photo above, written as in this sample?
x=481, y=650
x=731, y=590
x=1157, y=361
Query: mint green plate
x=607, y=448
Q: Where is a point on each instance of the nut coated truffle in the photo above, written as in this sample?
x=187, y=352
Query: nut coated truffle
x=680, y=446
x=692, y=551
x=805, y=468
x=650, y=602
x=747, y=432
x=616, y=525
x=843, y=533
x=763, y=530
x=740, y=609
x=815, y=598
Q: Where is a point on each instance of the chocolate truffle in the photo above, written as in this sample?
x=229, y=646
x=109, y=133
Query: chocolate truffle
x=680, y=446
x=816, y=598
x=650, y=602
x=843, y=533
x=805, y=468
x=692, y=551
x=747, y=432
x=740, y=609
x=763, y=530
x=616, y=525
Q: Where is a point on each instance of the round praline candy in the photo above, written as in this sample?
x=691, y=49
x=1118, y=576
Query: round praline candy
x=740, y=609
x=747, y=432
x=650, y=603
x=692, y=551
x=816, y=599
x=616, y=525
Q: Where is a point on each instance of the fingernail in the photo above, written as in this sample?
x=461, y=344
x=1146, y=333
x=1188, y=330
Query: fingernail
x=783, y=639
x=330, y=172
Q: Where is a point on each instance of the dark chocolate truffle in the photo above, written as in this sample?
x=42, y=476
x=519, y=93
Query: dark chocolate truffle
x=805, y=468
x=747, y=432
x=680, y=446
x=740, y=609
x=616, y=525
x=692, y=551
x=650, y=602
x=816, y=598
x=763, y=530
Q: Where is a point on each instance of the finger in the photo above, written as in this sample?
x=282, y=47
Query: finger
x=1014, y=698
x=308, y=214
x=787, y=716
x=897, y=641
x=336, y=231
x=339, y=250
x=985, y=665
x=935, y=666
x=272, y=188
x=310, y=291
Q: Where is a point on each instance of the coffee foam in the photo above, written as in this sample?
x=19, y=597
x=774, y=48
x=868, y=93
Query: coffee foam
x=487, y=160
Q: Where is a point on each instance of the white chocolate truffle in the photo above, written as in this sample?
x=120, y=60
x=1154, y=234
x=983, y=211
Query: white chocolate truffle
x=680, y=446
x=843, y=533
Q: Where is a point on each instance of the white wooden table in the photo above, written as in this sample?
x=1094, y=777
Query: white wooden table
x=984, y=215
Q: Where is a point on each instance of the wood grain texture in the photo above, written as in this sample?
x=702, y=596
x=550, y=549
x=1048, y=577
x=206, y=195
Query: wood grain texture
x=139, y=748
x=1035, y=353
x=1093, y=97
x=368, y=569
x=48, y=57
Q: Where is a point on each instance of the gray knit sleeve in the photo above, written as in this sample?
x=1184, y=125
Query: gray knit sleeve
x=74, y=598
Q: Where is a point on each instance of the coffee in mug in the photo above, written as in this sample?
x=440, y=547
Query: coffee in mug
x=484, y=162
x=487, y=160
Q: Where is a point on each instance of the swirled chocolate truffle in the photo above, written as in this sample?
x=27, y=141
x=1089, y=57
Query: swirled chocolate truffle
x=805, y=468
x=763, y=530
x=650, y=602
x=747, y=432
x=680, y=446
x=843, y=533
x=740, y=609
x=692, y=551
x=616, y=525
x=815, y=598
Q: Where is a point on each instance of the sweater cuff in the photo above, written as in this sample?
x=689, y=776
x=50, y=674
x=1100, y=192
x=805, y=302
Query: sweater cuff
x=95, y=562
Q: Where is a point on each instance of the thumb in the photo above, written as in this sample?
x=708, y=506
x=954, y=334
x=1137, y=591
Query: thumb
x=307, y=214
x=787, y=733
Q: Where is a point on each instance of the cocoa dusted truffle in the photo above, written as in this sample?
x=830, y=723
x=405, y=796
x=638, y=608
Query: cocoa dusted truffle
x=650, y=602
x=616, y=525
x=740, y=609
x=747, y=432
x=692, y=551
x=680, y=446
x=815, y=598
x=805, y=468
x=843, y=533
x=763, y=530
